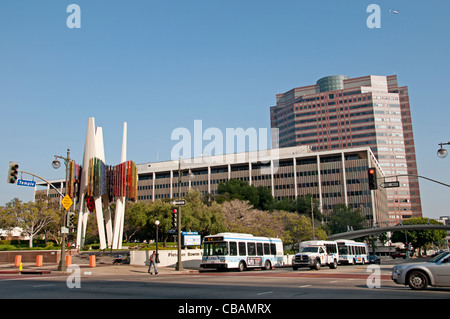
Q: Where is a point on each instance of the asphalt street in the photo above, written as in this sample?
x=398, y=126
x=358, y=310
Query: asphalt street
x=133, y=282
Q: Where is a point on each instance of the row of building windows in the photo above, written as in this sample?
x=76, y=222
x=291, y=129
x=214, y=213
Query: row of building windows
x=314, y=195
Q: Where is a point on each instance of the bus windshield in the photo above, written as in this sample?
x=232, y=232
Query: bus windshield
x=215, y=249
x=343, y=250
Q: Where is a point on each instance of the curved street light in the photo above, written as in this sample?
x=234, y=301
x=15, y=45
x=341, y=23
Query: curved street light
x=57, y=164
x=442, y=152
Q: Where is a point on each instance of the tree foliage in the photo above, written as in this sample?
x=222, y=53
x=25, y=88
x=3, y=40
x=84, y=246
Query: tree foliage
x=343, y=217
x=32, y=217
x=197, y=216
x=419, y=238
x=292, y=228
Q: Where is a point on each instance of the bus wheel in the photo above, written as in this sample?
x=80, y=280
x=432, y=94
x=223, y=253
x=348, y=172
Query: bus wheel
x=267, y=265
x=241, y=266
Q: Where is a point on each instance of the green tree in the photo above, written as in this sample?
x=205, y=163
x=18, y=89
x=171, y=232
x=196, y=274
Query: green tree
x=135, y=219
x=419, y=238
x=342, y=217
x=237, y=189
x=298, y=228
x=306, y=204
x=292, y=228
x=204, y=218
x=31, y=217
x=140, y=220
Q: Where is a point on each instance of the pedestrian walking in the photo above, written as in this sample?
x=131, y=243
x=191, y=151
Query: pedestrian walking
x=152, y=261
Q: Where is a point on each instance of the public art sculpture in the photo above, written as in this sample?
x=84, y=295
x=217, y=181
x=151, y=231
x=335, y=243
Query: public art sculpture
x=100, y=185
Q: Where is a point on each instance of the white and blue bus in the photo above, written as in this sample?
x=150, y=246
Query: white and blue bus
x=352, y=252
x=241, y=251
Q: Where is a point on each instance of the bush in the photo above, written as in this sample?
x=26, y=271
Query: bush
x=7, y=247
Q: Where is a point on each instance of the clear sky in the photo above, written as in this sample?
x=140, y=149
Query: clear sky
x=160, y=65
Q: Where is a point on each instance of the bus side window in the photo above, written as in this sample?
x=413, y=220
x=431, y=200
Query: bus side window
x=251, y=249
x=273, y=249
x=242, y=251
x=259, y=249
x=266, y=249
x=233, y=248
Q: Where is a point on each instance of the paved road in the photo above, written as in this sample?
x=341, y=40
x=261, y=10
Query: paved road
x=133, y=282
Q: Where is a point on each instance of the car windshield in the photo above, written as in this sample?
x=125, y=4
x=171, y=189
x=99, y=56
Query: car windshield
x=309, y=250
x=440, y=256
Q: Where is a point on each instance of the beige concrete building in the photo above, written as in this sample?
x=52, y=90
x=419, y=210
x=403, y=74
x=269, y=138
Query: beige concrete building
x=332, y=177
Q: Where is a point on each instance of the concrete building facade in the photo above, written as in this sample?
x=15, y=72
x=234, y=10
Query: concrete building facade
x=332, y=177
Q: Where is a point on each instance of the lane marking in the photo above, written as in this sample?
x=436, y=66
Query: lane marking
x=264, y=293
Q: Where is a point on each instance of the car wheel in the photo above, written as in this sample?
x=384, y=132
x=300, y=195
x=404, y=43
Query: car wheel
x=334, y=264
x=417, y=280
x=316, y=265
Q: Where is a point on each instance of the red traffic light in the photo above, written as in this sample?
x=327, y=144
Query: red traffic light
x=372, y=175
x=90, y=203
x=174, y=211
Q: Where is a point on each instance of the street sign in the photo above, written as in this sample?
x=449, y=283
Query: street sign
x=189, y=233
x=67, y=202
x=179, y=202
x=390, y=184
x=22, y=182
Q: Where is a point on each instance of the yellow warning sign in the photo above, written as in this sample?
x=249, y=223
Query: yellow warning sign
x=67, y=202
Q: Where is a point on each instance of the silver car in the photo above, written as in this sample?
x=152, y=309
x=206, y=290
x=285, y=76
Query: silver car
x=419, y=275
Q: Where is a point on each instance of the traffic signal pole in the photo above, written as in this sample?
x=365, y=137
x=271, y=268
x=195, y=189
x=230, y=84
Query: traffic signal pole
x=179, y=265
x=62, y=262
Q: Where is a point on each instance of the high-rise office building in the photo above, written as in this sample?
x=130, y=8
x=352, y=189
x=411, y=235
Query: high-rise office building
x=339, y=112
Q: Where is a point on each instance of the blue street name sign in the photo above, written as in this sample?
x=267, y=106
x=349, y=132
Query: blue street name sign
x=189, y=233
x=22, y=182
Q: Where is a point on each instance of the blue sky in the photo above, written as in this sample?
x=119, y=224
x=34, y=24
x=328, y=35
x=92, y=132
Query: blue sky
x=160, y=65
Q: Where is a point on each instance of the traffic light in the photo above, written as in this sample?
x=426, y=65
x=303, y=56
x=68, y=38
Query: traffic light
x=372, y=174
x=12, y=172
x=174, y=217
x=70, y=219
x=90, y=203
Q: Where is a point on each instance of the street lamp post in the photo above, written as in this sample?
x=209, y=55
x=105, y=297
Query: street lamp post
x=442, y=152
x=157, y=255
x=56, y=164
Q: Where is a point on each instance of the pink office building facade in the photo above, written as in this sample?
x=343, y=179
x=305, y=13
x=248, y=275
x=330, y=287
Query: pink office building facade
x=339, y=112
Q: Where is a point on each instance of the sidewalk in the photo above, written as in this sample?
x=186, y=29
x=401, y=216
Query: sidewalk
x=102, y=269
